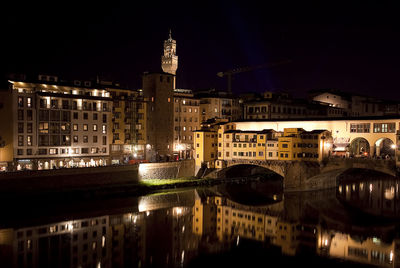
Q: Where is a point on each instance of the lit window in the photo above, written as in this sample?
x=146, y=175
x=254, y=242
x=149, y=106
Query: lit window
x=29, y=102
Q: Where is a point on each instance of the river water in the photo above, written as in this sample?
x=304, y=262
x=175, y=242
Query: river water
x=247, y=224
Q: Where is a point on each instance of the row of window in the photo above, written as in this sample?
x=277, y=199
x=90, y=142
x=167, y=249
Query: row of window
x=64, y=104
x=378, y=128
x=301, y=145
x=188, y=102
x=63, y=151
x=76, y=105
x=300, y=155
x=55, y=128
x=128, y=136
x=22, y=103
x=189, y=110
x=57, y=140
x=190, y=119
x=184, y=137
x=54, y=115
x=184, y=128
x=253, y=154
x=264, y=109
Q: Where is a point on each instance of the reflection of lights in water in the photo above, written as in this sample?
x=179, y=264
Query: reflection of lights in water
x=389, y=193
x=98, y=265
x=143, y=205
x=353, y=187
x=370, y=187
x=183, y=256
x=275, y=197
x=134, y=219
x=237, y=241
x=147, y=213
x=347, y=188
x=340, y=188
x=69, y=226
x=326, y=242
x=183, y=228
x=177, y=211
x=376, y=240
x=103, y=241
x=361, y=186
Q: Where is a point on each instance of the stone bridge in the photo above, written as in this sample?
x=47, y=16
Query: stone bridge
x=304, y=175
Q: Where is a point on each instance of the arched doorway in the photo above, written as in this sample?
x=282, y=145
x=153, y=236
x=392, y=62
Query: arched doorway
x=385, y=147
x=359, y=147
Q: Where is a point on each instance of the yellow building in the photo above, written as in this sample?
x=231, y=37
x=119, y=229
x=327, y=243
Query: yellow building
x=298, y=144
x=235, y=220
x=206, y=148
x=204, y=215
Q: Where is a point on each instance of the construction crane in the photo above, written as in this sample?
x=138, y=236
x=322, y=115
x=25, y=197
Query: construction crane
x=229, y=73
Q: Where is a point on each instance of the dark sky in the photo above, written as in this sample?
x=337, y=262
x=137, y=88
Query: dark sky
x=351, y=48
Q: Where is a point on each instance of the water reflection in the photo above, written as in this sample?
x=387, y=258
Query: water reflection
x=355, y=222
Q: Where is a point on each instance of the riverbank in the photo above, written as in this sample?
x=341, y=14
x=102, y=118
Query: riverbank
x=24, y=190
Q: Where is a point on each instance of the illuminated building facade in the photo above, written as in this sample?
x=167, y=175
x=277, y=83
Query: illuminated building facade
x=128, y=125
x=348, y=137
x=219, y=105
x=298, y=144
x=58, y=124
x=275, y=109
x=356, y=105
x=186, y=120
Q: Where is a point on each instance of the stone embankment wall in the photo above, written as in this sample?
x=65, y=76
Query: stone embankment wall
x=96, y=177
x=167, y=170
x=65, y=179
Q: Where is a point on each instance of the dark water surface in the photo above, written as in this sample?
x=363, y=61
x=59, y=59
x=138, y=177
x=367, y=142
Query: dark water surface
x=239, y=225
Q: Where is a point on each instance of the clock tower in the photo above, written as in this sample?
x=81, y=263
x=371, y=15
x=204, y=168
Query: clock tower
x=169, y=61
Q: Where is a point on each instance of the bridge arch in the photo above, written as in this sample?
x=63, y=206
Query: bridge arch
x=384, y=146
x=359, y=147
x=246, y=170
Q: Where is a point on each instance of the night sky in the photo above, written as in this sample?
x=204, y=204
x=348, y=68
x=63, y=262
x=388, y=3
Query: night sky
x=350, y=48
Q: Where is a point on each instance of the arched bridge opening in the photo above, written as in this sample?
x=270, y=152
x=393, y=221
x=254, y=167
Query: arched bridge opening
x=248, y=170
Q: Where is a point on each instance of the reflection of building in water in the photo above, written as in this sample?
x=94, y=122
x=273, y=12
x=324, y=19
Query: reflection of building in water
x=228, y=221
x=371, y=250
x=168, y=237
x=374, y=197
x=163, y=236
x=159, y=238
x=69, y=244
x=128, y=239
